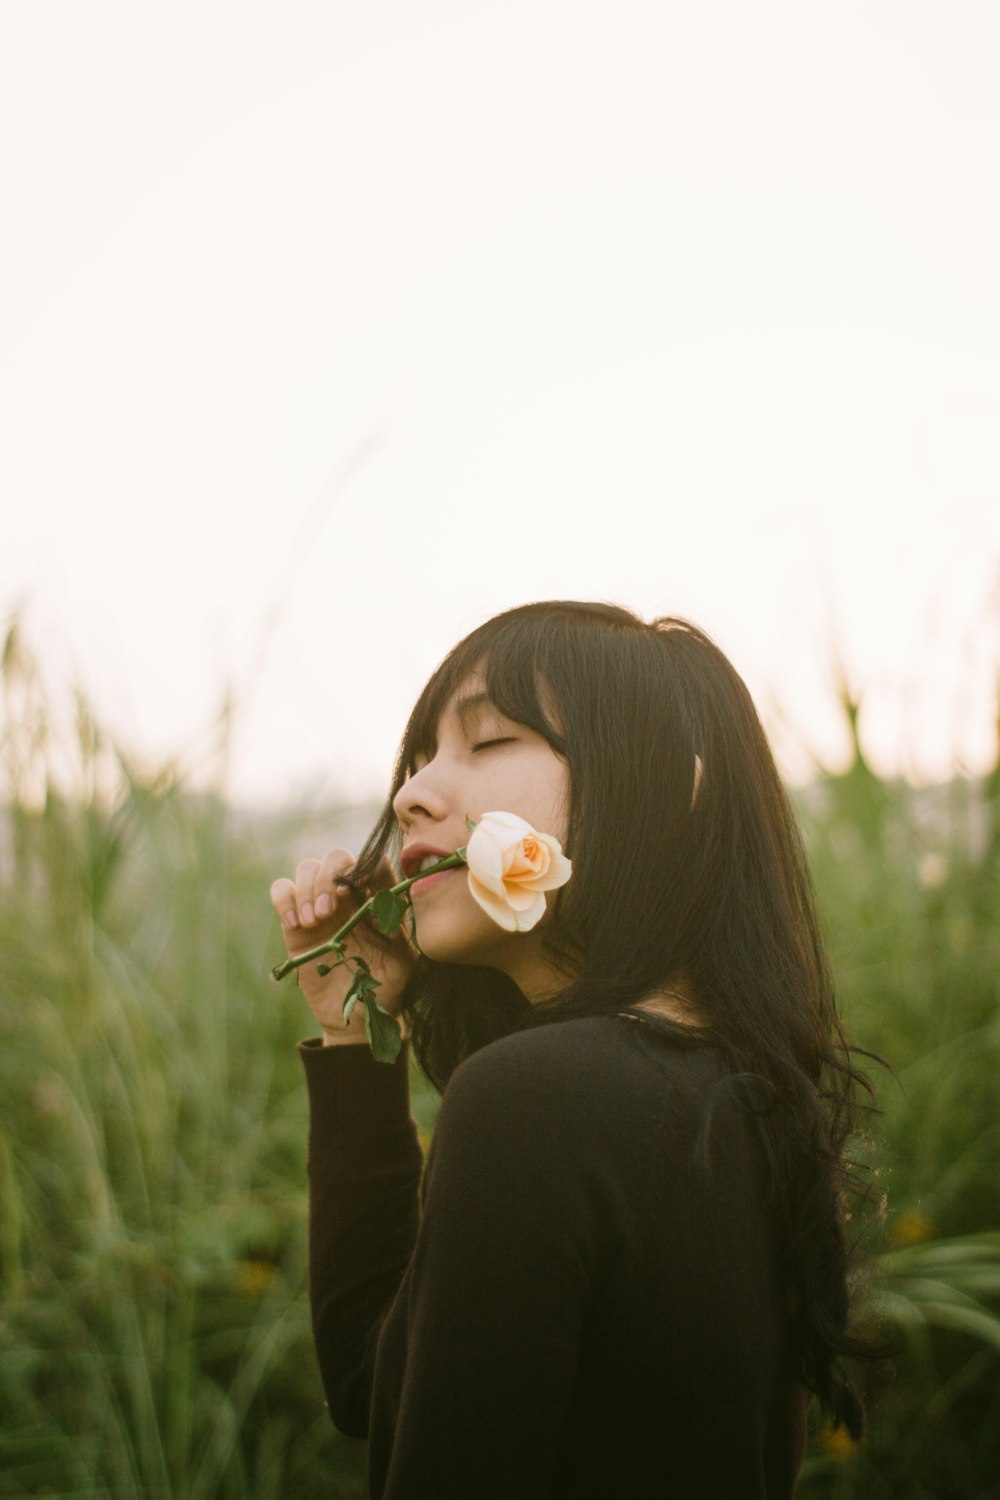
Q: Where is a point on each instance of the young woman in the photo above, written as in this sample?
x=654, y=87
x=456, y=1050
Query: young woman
x=622, y=1272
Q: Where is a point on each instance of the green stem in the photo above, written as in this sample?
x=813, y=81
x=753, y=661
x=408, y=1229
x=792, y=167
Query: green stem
x=336, y=943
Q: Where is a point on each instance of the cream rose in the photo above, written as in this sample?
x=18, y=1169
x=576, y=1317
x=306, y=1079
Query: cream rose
x=511, y=866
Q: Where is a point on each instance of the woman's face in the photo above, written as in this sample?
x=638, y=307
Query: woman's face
x=483, y=763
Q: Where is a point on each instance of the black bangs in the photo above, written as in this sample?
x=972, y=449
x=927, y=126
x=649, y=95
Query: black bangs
x=510, y=655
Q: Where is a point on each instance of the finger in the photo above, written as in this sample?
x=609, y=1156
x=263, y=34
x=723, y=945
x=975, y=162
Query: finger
x=284, y=903
x=305, y=882
x=328, y=892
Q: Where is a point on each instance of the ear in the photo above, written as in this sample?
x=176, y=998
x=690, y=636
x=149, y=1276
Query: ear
x=697, y=782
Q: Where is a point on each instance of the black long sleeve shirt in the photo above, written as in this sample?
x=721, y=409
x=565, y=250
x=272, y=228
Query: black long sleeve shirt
x=577, y=1297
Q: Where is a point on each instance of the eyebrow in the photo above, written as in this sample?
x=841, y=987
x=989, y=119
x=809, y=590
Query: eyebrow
x=468, y=707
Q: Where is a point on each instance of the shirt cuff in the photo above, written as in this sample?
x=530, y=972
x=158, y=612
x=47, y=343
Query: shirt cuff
x=350, y=1091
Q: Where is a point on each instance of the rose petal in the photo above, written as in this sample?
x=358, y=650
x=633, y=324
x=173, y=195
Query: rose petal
x=485, y=858
x=528, y=919
x=519, y=898
x=534, y=860
x=494, y=907
x=506, y=820
x=556, y=875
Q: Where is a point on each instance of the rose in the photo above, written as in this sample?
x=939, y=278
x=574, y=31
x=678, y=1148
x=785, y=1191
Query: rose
x=511, y=866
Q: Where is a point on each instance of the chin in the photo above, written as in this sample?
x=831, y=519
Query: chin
x=445, y=952
x=449, y=947
x=450, y=931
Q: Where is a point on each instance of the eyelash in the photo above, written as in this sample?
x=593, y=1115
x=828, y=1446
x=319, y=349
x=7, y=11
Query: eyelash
x=507, y=739
x=488, y=744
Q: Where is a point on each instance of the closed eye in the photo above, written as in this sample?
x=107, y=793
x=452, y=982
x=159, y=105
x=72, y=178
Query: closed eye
x=488, y=744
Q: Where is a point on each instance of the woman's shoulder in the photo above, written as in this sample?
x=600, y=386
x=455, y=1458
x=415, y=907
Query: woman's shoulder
x=582, y=1061
x=599, y=1099
x=550, y=1052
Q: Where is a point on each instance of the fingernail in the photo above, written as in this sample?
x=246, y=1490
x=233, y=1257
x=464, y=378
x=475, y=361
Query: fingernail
x=291, y=919
x=308, y=915
x=323, y=905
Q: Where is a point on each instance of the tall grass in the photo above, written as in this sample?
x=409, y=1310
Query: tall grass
x=154, y=1337
x=908, y=883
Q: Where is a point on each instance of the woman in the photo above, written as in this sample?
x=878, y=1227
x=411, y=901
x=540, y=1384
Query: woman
x=623, y=1271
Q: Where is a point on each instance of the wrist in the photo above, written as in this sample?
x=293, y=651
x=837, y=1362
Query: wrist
x=345, y=1038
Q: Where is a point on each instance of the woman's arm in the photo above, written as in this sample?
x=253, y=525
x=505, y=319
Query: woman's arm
x=364, y=1174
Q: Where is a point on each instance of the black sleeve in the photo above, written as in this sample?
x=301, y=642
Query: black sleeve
x=364, y=1171
x=508, y=1253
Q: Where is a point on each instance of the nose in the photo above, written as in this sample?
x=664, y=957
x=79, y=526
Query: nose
x=422, y=794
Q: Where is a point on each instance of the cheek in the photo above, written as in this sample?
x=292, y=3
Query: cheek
x=451, y=927
x=558, y=806
x=535, y=786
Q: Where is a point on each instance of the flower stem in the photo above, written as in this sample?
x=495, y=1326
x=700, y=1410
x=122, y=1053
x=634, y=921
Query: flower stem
x=336, y=943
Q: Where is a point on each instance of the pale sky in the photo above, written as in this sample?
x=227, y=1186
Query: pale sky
x=327, y=330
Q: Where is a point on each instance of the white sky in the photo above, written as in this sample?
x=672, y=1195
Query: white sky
x=328, y=329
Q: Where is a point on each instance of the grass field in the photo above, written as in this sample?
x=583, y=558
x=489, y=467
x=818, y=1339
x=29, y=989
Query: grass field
x=154, y=1337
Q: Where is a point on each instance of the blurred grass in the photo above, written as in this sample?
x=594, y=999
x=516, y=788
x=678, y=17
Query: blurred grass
x=908, y=886
x=154, y=1336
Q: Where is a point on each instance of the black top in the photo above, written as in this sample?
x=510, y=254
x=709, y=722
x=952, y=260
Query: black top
x=579, y=1299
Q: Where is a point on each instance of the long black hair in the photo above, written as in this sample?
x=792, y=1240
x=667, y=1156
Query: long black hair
x=673, y=875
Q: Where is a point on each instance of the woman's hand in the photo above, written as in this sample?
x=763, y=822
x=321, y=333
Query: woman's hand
x=312, y=908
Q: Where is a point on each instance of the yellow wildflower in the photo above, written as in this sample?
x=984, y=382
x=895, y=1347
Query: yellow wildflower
x=254, y=1276
x=912, y=1228
x=836, y=1442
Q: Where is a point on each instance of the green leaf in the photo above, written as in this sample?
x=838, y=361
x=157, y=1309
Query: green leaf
x=380, y=1027
x=383, y=1032
x=363, y=986
x=389, y=909
x=323, y=969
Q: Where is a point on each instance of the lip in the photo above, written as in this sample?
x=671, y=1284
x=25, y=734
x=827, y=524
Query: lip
x=430, y=880
x=409, y=860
